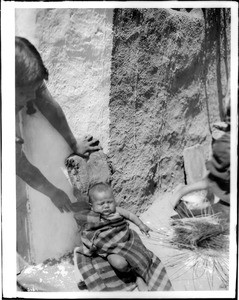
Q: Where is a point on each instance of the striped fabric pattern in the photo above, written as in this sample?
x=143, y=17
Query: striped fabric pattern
x=100, y=276
x=112, y=235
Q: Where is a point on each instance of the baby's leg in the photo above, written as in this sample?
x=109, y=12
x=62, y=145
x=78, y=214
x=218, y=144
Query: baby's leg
x=142, y=286
x=118, y=262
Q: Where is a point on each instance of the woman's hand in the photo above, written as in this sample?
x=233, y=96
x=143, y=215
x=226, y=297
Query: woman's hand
x=86, y=145
x=61, y=201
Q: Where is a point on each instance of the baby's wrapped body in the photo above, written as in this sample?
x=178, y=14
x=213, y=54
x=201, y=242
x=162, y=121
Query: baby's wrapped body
x=104, y=235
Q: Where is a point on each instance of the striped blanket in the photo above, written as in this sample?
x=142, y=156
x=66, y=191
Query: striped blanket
x=112, y=235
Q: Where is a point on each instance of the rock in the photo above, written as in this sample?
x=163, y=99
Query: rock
x=78, y=172
x=98, y=168
x=83, y=173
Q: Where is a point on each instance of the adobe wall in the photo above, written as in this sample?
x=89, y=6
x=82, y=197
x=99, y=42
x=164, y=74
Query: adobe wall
x=164, y=97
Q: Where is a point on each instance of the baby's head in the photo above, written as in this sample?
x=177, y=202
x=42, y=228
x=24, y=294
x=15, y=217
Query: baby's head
x=101, y=199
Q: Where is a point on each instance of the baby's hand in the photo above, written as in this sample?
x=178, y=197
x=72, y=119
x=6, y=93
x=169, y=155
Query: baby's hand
x=145, y=229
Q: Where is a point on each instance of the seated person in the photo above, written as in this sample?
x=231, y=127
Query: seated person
x=217, y=181
x=105, y=232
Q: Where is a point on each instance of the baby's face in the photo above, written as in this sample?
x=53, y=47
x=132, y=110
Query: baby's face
x=103, y=203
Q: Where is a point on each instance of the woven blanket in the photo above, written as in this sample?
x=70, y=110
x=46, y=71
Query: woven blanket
x=103, y=236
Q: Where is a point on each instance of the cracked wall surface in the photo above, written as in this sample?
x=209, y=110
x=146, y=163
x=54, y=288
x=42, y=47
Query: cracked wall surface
x=164, y=97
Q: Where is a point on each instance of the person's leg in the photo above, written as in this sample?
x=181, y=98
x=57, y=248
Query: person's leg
x=118, y=262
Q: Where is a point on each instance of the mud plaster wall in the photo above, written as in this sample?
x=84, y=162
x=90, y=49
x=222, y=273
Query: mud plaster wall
x=158, y=101
x=75, y=45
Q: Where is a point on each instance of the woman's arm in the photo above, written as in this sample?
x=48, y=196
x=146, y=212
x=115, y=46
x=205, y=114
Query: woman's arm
x=56, y=117
x=33, y=177
x=184, y=190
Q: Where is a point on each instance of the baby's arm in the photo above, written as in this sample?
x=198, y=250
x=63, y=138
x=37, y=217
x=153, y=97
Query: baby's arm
x=133, y=218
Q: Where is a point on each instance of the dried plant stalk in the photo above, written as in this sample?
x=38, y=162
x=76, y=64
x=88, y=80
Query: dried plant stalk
x=203, y=244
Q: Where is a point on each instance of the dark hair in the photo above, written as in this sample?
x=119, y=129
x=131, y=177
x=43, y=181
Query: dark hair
x=98, y=187
x=29, y=67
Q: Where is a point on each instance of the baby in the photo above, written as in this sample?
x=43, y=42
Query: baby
x=105, y=232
